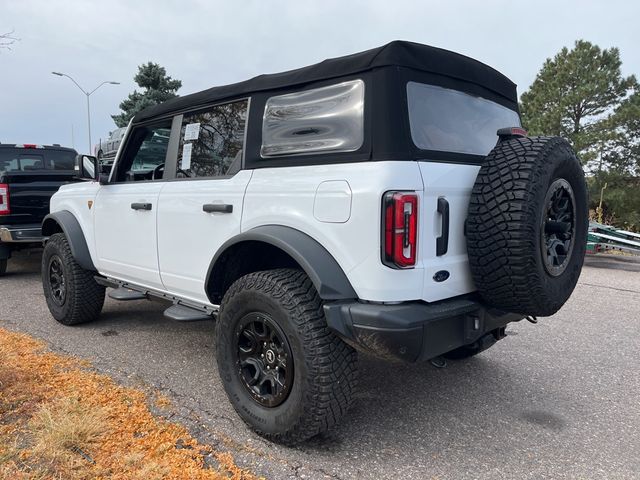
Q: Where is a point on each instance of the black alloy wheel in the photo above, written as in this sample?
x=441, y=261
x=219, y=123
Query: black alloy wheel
x=57, y=280
x=558, y=227
x=264, y=359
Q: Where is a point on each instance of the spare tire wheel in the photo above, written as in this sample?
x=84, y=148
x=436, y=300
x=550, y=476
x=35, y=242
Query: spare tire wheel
x=527, y=225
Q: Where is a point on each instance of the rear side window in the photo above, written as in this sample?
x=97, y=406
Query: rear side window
x=448, y=120
x=321, y=120
x=212, y=141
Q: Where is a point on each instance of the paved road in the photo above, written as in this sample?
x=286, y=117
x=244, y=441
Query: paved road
x=560, y=399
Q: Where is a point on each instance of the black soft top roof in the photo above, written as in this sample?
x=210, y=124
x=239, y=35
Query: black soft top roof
x=398, y=53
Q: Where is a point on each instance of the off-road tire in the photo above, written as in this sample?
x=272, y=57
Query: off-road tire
x=324, y=368
x=3, y=266
x=84, y=298
x=507, y=212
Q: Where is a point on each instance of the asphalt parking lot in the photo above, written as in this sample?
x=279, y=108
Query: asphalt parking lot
x=556, y=400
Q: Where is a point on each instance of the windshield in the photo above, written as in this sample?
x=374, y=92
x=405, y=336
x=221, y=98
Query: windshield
x=452, y=121
x=27, y=159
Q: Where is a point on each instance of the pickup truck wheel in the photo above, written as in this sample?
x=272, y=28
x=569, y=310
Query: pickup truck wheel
x=3, y=266
x=527, y=225
x=72, y=294
x=286, y=374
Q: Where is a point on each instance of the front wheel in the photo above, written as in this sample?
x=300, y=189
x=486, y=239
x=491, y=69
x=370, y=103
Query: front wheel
x=286, y=374
x=3, y=266
x=71, y=292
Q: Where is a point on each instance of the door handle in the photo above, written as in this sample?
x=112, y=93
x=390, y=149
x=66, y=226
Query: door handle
x=141, y=206
x=217, y=207
x=442, y=242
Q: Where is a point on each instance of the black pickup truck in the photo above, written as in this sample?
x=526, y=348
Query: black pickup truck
x=29, y=176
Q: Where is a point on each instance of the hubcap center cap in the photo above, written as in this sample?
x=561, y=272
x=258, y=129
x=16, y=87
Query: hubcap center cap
x=271, y=357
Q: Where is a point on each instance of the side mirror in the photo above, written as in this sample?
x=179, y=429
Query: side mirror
x=87, y=167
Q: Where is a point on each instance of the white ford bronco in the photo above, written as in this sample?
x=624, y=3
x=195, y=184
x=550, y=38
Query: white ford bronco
x=386, y=201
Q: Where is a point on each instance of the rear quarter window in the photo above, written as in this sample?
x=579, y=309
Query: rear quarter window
x=321, y=120
x=442, y=119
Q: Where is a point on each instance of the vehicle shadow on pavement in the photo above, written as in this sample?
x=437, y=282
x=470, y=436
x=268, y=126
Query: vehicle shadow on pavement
x=427, y=408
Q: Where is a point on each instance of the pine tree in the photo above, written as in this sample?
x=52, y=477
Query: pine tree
x=157, y=87
x=576, y=95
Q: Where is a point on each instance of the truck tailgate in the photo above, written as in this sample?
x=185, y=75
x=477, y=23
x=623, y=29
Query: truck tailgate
x=453, y=183
x=30, y=193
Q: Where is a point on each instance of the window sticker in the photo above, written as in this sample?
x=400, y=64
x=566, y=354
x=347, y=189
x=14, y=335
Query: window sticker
x=191, y=131
x=185, y=163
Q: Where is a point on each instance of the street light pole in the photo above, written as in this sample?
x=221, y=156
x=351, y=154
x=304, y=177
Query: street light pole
x=88, y=94
x=89, y=123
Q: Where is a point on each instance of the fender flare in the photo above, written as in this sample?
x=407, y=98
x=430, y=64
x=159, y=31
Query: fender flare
x=324, y=272
x=71, y=228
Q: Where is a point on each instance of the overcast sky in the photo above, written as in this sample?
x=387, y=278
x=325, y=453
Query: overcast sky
x=206, y=43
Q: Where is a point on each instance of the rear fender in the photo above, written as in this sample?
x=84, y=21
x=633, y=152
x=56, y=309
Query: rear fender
x=323, y=270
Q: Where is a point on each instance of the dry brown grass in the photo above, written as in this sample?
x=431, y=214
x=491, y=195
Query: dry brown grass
x=67, y=426
x=60, y=420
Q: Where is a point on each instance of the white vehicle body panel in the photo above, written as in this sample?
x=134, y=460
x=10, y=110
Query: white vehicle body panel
x=454, y=182
x=75, y=198
x=188, y=237
x=289, y=196
x=125, y=239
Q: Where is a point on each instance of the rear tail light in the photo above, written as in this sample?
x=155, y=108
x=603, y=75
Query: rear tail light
x=400, y=227
x=4, y=199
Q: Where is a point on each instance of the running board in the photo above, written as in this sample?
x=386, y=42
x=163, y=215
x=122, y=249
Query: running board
x=183, y=310
x=182, y=313
x=124, y=294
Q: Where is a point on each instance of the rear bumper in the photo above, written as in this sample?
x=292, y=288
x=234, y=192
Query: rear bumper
x=30, y=233
x=414, y=331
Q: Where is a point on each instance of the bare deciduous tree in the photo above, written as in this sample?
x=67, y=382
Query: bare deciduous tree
x=7, y=40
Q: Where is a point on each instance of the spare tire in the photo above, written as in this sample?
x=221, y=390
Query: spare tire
x=527, y=225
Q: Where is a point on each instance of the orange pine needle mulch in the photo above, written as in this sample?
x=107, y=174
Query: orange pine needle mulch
x=60, y=420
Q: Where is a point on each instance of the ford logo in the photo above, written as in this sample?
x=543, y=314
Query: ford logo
x=441, y=276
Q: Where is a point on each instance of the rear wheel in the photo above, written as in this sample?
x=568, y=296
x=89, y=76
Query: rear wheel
x=286, y=374
x=71, y=292
x=3, y=266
